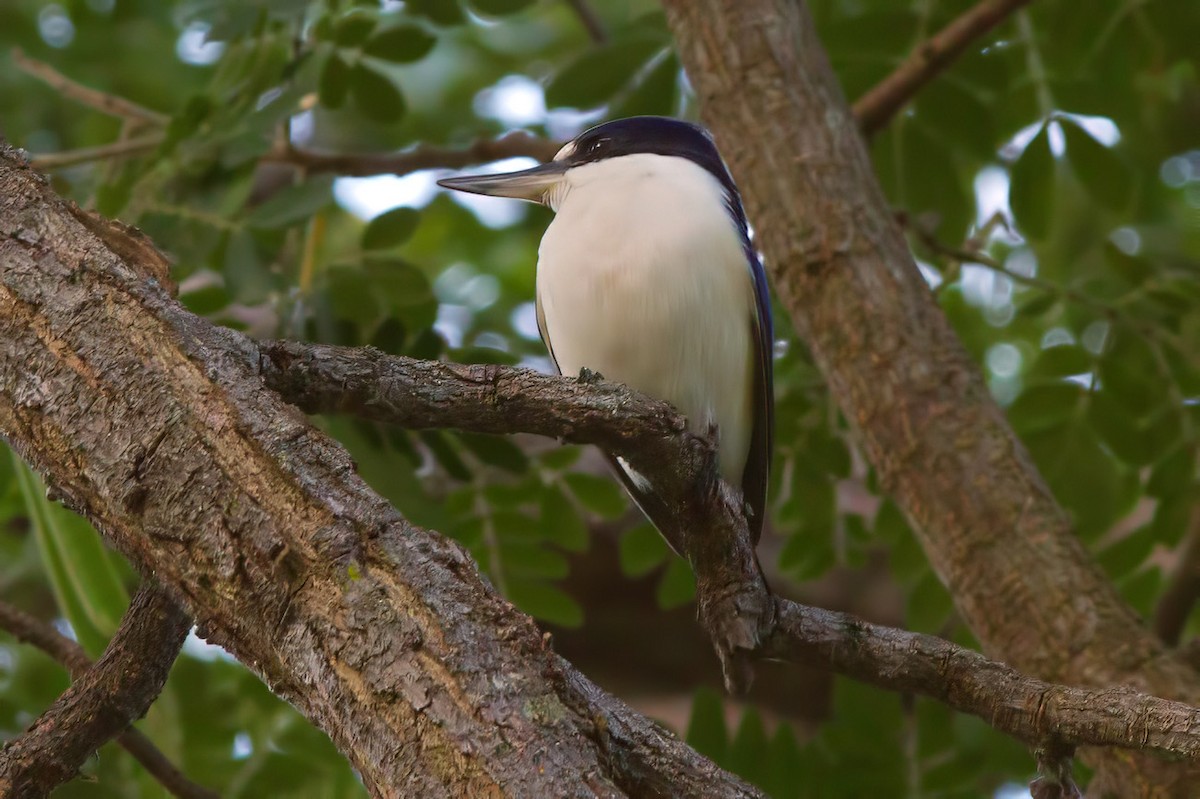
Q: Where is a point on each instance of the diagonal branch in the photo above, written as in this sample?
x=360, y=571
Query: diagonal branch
x=1183, y=587
x=1026, y=708
x=875, y=108
x=101, y=101
x=29, y=630
x=103, y=701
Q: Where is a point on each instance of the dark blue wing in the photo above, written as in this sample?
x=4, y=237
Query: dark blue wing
x=762, y=439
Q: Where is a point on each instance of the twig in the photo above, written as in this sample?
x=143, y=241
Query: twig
x=117, y=149
x=590, y=19
x=1183, y=587
x=145, y=645
x=417, y=158
x=101, y=101
x=970, y=254
x=882, y=101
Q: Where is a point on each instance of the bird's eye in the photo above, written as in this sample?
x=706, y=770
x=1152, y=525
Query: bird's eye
x=596, y=146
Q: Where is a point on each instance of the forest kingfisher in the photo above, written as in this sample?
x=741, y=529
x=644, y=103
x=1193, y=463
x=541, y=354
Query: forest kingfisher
x=647, y=276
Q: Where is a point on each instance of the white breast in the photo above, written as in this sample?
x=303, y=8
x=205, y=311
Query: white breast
x=642, y=278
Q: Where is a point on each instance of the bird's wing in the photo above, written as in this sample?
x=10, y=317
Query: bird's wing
x=762, y=438
x=659, y=513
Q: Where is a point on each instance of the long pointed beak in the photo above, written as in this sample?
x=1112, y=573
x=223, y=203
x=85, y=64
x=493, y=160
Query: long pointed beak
x=527, y=184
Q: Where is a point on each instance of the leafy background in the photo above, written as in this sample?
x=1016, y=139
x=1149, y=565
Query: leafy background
x=1050, y=182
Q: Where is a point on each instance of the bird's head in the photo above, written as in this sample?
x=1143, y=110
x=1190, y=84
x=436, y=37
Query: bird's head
x=603, y=144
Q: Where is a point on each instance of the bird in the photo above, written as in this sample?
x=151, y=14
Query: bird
x=647, y=276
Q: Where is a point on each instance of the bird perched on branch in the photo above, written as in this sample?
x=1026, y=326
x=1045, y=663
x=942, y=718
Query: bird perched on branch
x=647, y=276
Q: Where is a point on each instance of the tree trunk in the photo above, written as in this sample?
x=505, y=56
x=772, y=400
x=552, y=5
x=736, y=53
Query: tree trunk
x=919, y=407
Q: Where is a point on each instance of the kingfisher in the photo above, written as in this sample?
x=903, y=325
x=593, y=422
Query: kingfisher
x=647, y=276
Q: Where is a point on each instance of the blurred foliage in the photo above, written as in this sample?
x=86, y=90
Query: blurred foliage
x=1050, y=180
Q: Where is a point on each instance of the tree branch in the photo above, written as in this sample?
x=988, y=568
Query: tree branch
x=590, y=19
x=103, y=701
x=117, y=149
x=101, y=101
x=34, y=632
x=1183, y=587
x=875, y=108
x=1024, y=707
x=423, y=156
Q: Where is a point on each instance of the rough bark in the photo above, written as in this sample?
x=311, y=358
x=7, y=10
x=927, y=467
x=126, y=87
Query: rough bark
x=103, y=702
x=45, y=637
x=918, y=405
x=156, y=425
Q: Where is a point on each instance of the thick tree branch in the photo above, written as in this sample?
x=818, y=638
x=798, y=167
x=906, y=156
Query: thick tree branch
x=141, y=414
x=919, y=406
x=103, y=701
x=93, y=98
x=29, y=630
x=875, y=108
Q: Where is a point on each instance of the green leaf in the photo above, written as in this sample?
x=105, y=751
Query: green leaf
x=334, y=82
x=545, y=602
x=495, y=451
x=82, y=572
x=442, y=12
x=246, y=276
x=533, y=560
x=1063, y=360
x=499, y=8
x=1097, y=167
x=1172, y=476
x=1132, y=269
x=677, y=586
x=354, y=28
x=1127, y=554
x=706, y=729
x=1045, y=405
x=402, y=44
x=593, y=78
x=806, y=556
x=598, y=494
x=561, y=522
x=1119, y=430
x=375, y=96
x=206, y=301
x=749, y=748
x=1032, y=185
x=929, y=605
x=561, y=457
x=390, y=229
x=641, y=550
x=655, y=93
x=294, y=204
